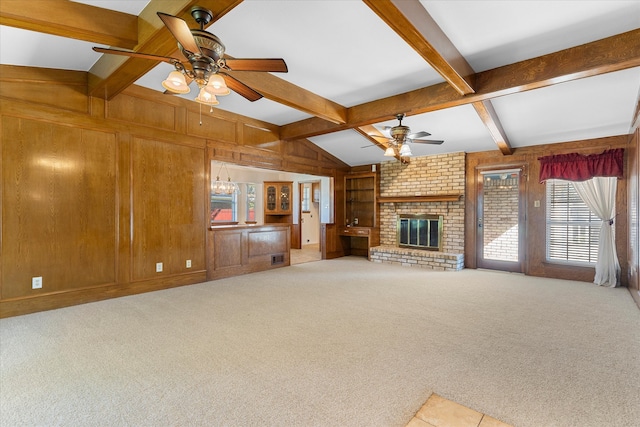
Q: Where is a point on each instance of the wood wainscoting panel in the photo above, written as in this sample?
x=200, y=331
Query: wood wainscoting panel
x=206, y=126
x=142, y=111
x=58, y=207
x=267, y=242
x=168, y=200
x=256, y=136
x=227, y=249
x=242, y=249
x=63, y=89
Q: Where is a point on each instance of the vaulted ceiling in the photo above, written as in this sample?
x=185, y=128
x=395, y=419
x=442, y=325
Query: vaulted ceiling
x=480, y=75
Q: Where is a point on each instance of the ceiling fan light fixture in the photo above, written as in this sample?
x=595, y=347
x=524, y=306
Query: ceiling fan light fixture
x=405, y=151
x=217, y=86
x=176, y=83
x=205, y=97
x=390, y=152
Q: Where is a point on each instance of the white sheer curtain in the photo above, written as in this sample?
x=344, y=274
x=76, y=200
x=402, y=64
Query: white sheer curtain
x=599, y=193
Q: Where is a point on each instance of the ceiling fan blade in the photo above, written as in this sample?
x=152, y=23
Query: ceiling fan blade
x=420, y=134
x=180, y=31
x=267, y=64
x=136, y=54
x=241, y=88
x=427, y=141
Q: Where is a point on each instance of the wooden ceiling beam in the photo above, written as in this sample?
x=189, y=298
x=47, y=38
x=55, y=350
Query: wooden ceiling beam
x=490, y=119
x=283, y=92
x=111, y=74
x=72, y=20
x=373, y=135
x=411, y=21
x=619, y=52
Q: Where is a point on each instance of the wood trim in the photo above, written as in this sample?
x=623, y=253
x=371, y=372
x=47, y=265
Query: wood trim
x=490, y=119
x=422, y=199
x=411, y=21
x=73, y=20
x=66, y=298
x=283, y=92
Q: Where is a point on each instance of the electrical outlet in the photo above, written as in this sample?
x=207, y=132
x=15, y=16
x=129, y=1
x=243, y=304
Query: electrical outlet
x=36, y=283
x=158, y=267
x=188, y=263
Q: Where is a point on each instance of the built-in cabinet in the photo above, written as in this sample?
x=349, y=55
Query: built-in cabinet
x=278, y=196
x=278, y=200
x=360, y=200
x=360, y=230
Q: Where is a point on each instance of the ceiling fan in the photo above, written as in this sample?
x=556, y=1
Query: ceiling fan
x=401, y=134
x=206, y=63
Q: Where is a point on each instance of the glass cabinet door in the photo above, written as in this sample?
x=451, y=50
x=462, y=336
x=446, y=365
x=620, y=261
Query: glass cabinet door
x=285, y=191
x=271, y=198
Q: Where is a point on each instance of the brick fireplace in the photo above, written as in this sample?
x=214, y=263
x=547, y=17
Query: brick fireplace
x=427, y=186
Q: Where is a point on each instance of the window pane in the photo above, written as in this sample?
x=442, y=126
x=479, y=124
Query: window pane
x=305, y=198
x=223, y=208
x=572, y=229
x=251, y=203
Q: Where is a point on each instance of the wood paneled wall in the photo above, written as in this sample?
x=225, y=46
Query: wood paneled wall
x=59, y=207
x=535, y=226
x=94, y=194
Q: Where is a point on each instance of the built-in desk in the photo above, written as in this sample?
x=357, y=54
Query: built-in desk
x=239, y=249
x=358, y=240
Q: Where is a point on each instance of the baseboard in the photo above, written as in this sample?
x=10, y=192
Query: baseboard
x=19, y=306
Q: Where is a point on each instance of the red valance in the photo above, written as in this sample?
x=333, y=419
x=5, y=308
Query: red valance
x=578, y=167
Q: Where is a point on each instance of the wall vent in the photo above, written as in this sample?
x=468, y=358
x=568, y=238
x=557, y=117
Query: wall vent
x=277, y=259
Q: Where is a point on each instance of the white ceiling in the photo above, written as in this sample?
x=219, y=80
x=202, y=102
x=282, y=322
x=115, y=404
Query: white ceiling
x=342, y=51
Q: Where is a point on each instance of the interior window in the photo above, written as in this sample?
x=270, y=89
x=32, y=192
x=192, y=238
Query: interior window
x=224, y=208
x=250, y=200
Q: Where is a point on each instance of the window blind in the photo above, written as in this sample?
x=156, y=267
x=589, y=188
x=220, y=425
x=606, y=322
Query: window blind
x=572, y=229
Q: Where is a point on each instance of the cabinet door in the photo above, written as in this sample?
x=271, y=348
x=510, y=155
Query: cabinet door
x=285, y=198
x=271, y=203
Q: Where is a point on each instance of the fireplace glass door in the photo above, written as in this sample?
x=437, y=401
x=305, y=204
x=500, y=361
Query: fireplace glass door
x=420, y=232
x=499, y=220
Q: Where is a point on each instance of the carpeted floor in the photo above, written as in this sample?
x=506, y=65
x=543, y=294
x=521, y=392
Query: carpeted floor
x=343, y=342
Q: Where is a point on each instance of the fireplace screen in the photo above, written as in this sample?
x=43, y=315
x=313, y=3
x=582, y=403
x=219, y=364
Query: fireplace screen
x=420, y=232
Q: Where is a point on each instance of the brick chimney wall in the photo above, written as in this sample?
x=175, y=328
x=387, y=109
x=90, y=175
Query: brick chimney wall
x=424, y=176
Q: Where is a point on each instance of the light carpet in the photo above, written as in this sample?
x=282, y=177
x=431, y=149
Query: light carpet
x=343, y=342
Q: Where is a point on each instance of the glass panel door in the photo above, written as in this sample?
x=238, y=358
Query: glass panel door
x=499, y=220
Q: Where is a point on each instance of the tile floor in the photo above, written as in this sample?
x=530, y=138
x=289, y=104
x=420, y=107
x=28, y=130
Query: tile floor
x=441, y=412
x=308, y=253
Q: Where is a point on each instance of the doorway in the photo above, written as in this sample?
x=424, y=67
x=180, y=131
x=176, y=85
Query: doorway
x=309, y=230
x=500, y=220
